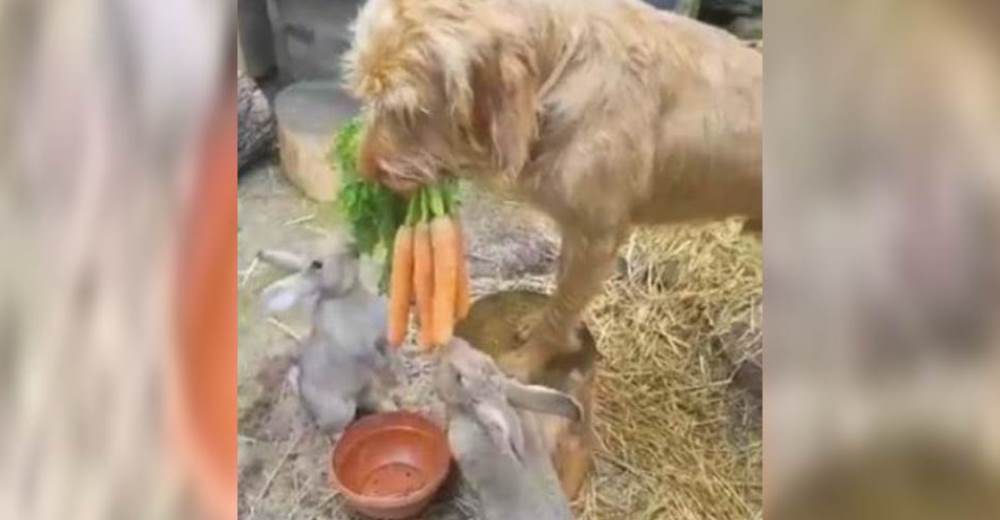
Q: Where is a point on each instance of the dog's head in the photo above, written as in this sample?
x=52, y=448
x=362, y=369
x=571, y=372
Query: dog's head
x=447, y=86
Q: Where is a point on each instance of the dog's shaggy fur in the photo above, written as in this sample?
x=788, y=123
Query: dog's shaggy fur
x=604, y=114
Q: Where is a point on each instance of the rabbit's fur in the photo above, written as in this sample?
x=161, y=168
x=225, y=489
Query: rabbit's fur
x=501, y=451
x=344, y=362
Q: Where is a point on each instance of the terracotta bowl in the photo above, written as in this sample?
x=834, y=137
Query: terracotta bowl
x=389, y=465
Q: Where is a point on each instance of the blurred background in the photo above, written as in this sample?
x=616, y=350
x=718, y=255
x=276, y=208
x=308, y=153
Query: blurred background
x=881, y=265
x=117, y=226
x=882, y=259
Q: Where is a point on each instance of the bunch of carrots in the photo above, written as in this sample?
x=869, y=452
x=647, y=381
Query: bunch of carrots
x=426, y=265
x=429, y=270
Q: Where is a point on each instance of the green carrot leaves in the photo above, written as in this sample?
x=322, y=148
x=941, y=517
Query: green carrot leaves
x=374, y=212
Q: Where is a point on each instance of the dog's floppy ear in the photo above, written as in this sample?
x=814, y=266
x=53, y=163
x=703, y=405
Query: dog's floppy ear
x=504, y=112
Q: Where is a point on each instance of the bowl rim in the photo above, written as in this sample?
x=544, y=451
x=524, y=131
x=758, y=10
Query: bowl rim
x=392, y=502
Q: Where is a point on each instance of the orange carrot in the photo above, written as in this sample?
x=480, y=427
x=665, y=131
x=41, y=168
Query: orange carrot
x=462, y=298
x=423, y=281
x=445, y=247
x=401, y=285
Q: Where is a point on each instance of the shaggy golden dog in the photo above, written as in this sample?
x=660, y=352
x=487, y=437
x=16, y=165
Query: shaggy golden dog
x=604, y=114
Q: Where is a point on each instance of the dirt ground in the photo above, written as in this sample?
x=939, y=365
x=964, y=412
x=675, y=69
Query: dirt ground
x=283, y=462
x=283, y=472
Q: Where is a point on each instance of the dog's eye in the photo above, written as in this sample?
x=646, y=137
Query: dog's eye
x=316, y=264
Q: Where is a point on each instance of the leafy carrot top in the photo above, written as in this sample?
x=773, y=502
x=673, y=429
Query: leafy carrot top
x=373, y=212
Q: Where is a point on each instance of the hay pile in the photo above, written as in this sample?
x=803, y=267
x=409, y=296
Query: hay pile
x=676, y=440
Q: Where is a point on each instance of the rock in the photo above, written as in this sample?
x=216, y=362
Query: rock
x=747, y=27
x=685, y=7
x=311, y=36
x=256, y=135
x=507, y=240
x=732, y=8
x=309, y=114
x=742, y=343
x=749, y=375
x=255, y=38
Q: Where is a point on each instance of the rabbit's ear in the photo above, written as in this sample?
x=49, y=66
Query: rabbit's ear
x=283, y=259
x=542, y=399
x=503, y=426
x=289, y=292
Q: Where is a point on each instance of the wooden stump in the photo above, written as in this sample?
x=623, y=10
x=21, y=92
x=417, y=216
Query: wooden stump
x=256, y=136
x=309, y=114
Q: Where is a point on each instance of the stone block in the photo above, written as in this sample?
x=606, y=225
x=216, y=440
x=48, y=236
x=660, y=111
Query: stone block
x=311, y=36
x=309, y=114
x=255, y=38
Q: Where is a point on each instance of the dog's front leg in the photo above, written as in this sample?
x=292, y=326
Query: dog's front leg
x=586, y=262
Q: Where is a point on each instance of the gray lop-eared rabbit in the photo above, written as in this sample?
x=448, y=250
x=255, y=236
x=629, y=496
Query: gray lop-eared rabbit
x=501, y=451
x=344, y=363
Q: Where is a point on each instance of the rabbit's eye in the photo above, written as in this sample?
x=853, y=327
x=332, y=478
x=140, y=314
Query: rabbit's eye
x=316, y=264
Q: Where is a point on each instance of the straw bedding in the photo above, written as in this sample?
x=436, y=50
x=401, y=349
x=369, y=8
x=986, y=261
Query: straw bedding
x=677, y=327
x=679, y=438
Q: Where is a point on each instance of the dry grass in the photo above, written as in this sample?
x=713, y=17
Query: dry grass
x=672, y=446
x=676, y=440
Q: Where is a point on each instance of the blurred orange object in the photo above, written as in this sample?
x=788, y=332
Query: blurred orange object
x=204, y=385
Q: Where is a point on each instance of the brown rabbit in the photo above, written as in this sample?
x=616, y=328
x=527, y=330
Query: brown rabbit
x=491, y=327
